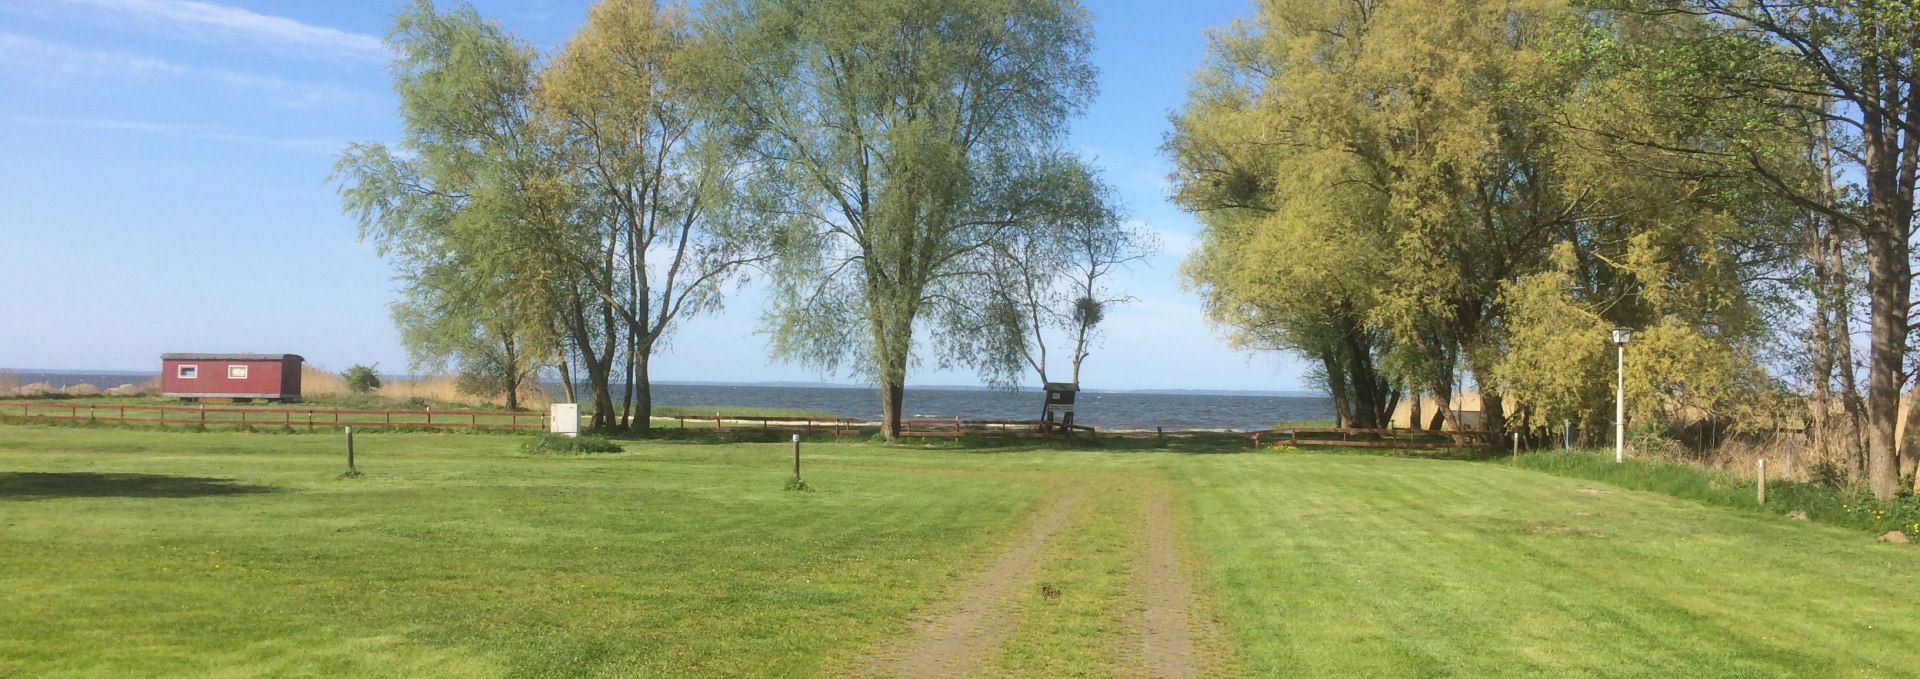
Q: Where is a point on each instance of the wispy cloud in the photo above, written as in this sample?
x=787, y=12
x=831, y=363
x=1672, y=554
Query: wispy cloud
x=200, y=132
x=209, y=21
x=52, y=61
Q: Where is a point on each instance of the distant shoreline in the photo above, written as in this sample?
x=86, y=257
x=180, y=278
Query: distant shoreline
x=793, y=385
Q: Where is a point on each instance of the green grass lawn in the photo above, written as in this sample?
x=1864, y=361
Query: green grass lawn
x=141, y=553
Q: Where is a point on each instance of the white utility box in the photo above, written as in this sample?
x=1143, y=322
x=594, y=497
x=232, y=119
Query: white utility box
x=564, y=419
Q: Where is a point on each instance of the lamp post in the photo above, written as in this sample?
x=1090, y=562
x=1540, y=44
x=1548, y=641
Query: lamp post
x=1620, y=338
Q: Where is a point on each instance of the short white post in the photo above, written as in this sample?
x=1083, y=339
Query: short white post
x=1763, y=480
x=1620, y=407
x=796, y=457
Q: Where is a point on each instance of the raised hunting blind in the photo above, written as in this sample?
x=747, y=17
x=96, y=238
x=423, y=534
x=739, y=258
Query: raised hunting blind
x=1059, y=403
x=239, y=377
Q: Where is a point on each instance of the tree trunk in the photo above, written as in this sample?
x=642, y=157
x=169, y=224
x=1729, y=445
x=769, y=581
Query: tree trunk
x=893, y=346
x=566, y=377
x=1443, y=403
x=642, y=390
x=1337, y=388
x=1413, y=410
x=1493, y=414
x=893, y=397
x=1888, y=278
x=1820, y=345
x=627, y=390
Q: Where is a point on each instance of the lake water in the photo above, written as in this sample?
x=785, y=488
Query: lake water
x=1105, y=410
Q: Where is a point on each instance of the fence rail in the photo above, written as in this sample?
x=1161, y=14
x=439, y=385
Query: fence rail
x=314, y=418
x=310, y=418
x=744, y=423
x=1403, y=439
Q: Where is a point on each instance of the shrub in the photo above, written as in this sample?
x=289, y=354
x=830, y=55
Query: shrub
x=361, y=379
x=552, y=444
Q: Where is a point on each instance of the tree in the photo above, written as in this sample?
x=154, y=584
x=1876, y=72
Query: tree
x=361, y=379
x=908, y=137
x=1851, y=72
x=1057, y=279
x=568, y=214
x=469, y=210
x=660, y=186
x=1397, y=188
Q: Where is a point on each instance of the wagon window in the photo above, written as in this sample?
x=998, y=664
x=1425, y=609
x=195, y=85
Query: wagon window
x=187, y=372
x=236, y=372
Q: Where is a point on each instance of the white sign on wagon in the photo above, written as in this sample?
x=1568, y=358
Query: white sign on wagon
x=564, y=419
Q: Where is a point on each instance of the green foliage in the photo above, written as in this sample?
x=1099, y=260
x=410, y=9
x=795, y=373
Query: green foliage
x=1394, y=196
x=361, y=379
x=555, y=444
x=797, y=484
x=905, y=136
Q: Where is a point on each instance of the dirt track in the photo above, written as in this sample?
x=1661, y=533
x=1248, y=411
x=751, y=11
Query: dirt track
x=964, y=637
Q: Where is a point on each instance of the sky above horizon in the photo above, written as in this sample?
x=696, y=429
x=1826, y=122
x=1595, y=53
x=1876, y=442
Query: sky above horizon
x=166, y=189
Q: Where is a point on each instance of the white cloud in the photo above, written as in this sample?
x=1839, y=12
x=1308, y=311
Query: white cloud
x=307, y=144
x=216, y=22
x=52, y=61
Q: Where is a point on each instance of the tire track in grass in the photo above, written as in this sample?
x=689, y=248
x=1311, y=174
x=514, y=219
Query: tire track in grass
x=982, y=617
x=1166, y=638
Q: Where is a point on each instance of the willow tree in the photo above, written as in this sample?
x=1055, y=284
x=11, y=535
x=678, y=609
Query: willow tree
x=660, y=187
x=908, y=136
x=1417, y=135
x=463, y=207
x=1429, y=166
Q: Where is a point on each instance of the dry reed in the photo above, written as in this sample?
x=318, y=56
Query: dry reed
x=316, y=382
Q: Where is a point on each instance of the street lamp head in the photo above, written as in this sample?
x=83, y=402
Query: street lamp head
x=1621, y=335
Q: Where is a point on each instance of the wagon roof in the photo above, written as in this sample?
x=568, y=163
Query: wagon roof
x=230, y=357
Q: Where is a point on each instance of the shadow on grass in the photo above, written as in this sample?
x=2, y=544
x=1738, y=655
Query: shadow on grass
x=51, y=485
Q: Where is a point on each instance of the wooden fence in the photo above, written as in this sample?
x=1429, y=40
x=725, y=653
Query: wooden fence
x=314, y=418
x=310, y=418
x=915, y=427
x=737, y=424
x=1346, y=437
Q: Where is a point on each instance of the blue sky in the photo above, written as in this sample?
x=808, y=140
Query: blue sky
x=164, y=188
